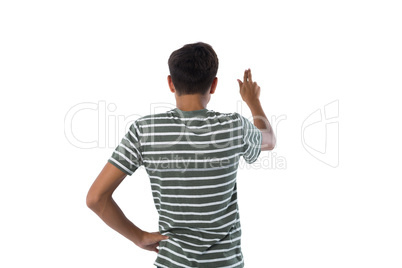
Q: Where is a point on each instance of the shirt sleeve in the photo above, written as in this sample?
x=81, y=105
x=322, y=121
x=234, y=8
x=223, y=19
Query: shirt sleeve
x=252, y=140
x=127, y=156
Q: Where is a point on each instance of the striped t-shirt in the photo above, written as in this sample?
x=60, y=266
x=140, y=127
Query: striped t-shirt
x=191, y=158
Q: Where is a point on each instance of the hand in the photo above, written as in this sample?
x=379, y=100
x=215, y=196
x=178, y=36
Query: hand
x=249, y=90
x=150, y=241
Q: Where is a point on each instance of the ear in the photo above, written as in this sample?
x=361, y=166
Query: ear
x=171, y=86
x=213, y=85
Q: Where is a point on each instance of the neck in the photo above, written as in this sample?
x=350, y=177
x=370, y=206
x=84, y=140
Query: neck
x=192, y=102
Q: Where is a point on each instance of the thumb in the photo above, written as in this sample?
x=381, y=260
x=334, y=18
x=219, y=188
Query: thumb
x=164, y=237
x=161, y=237
x=240, y=82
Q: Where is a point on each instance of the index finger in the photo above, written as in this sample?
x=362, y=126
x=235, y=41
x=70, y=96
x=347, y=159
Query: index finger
x=245, y=76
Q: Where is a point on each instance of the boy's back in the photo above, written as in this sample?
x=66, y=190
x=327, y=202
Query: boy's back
x=191, y=158
x=191, y=155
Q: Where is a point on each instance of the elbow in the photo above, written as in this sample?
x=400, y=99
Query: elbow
x=269, y=144
x=97, y=199
x=97, y=202
x=272, y=145
x=92, y=201
x=268, y=147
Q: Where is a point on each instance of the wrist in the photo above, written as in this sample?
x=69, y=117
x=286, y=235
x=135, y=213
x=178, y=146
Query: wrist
x=138, y=236
x=253, y=103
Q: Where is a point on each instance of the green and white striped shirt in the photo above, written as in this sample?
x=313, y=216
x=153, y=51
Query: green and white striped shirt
x=191, y=158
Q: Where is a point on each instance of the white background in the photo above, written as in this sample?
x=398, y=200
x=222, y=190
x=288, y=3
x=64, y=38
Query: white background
x=304, y=55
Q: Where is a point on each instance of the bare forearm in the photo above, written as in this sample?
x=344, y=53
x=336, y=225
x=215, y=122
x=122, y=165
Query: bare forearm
x=259, y=117
x=108, y=210
x=262, y=123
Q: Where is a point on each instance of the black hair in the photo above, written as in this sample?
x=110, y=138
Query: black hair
x=193, y=68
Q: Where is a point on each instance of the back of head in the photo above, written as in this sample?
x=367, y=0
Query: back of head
x=193, y=68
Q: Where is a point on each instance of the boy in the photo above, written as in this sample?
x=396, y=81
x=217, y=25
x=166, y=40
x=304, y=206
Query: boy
x=191, y=155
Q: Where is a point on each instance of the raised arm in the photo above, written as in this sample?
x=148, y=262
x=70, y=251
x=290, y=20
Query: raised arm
x=250, y=93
